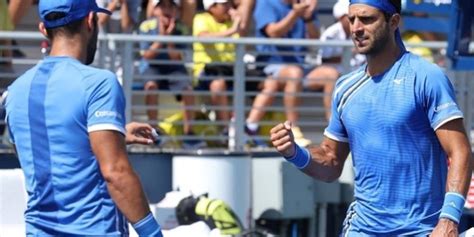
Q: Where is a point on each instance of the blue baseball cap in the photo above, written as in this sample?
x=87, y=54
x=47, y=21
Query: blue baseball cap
x=74, y=10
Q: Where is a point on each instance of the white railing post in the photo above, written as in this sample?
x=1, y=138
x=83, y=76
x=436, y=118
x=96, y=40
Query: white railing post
x=127, y=65
x=239, y=100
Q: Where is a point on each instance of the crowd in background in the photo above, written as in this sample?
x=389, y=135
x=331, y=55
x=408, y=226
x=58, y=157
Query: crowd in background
x=286, y=67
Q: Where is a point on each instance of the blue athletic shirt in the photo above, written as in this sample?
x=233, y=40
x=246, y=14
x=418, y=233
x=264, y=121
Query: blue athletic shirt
x=273, y=11
x=400, y=168
x=51, y=109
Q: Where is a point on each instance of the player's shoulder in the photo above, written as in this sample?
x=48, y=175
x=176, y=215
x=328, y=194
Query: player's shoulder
x=348, y=81
x=421, y=67
x=24, y=80
x=203, y=16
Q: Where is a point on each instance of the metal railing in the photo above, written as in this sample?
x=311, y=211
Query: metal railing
x=126, y=54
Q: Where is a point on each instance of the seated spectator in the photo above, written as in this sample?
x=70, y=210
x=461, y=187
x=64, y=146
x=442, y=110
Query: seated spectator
x=331, y=56
x=283, y=19
x=186, y=12
x=124, y=15
x=124, y=19
x=5, y=56
x=17, y=9
x=164, y=23
x=219, y=20
x=5, y=45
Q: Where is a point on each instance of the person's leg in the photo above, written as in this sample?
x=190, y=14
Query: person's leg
x=291, y=77
x=263, y=99
x=217, y=87
x=151, y=100
x=323, y=78
x=188, y=114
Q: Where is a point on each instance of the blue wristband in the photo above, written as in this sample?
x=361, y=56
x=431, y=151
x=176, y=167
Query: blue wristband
x=301, y=157
x=148, y=227
x=452, y=207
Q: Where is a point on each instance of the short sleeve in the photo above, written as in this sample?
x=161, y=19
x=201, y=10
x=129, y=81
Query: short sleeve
x=264, y=15
x=106, y=106
x=440, y=100
x=199, y=24
x=336, y=129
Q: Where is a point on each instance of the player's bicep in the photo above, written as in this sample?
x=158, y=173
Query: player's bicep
x=452, y=137
x=109, y=149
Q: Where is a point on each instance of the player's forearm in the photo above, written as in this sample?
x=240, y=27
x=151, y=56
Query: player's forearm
x=281, y=28
x=324, y=165
x=126, y=191
x=460, y=171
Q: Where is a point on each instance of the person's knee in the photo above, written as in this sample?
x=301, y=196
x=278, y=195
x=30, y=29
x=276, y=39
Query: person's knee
x=151, y=85
x=270, y=85
x=218, y=85
x=292, y=73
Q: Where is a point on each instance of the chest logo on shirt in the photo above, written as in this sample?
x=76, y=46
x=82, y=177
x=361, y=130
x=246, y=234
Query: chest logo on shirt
x=398, y=81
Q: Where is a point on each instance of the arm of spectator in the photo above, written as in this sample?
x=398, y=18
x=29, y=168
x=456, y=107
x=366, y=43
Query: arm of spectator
x=122, y=182
x=188, y=10
x=112, y=6
x=245, y=10
x=18, y=8
x=282, y=27
x=312, y=29
x=126, y=21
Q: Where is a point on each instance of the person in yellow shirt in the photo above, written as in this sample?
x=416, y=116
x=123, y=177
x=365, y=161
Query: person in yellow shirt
x=219, y=20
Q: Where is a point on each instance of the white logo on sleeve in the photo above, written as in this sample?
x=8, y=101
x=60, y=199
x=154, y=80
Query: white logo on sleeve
x=107, y=113
x=398, y=81
x=444, y=106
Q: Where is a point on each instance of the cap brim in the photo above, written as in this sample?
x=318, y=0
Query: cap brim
x=102, y=10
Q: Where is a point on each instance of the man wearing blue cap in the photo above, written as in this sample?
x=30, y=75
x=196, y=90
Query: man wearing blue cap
x=398, y=116
x=67, y=122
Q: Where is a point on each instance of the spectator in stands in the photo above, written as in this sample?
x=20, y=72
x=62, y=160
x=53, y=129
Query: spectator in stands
x=124, y=15
x=5, y=25
x=17, y=9
x=219, y=20
x=186, y=11
x=5, y=55
x=164, y=22
x=324, y=76
x=283, y=19
x=124, y=19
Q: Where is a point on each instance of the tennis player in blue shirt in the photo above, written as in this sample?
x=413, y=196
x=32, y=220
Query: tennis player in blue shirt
x=67, y=122
x=398, y=116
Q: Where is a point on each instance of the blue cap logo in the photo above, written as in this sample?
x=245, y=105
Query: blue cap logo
x=74, y=10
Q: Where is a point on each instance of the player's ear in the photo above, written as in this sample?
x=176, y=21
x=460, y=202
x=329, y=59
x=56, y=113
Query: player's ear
x=395, y=21
x=90, y=21
x=42, y=29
